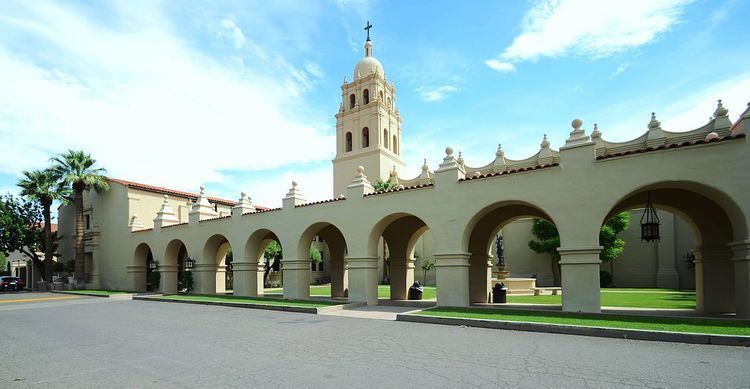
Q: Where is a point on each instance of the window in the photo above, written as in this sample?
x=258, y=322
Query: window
x=348, y=141
x=381, y=95
x=352, y=101
x=385, y=138
x=366, y=96
x=395, y=144
x=389, y=102
x=88, y=221
x=365, y=137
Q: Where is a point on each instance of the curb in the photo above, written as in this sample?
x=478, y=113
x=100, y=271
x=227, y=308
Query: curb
x=125, y=296
x=602, y=332
x=310, y=310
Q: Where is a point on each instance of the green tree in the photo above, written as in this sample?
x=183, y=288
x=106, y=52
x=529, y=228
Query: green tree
x=381, y=186
x=273, y=255
x=3, y=262
x=45, y=187
x=21, y=228
x=548, y=240
x=77, y=171
x=315, y=255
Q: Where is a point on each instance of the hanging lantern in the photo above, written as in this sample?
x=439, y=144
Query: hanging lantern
x=189, y=263
x=230, y=266
x=153, y=264
x=649, y=222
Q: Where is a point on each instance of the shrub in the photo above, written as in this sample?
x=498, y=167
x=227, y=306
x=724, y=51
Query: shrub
x=152, y=280
x=69, y=266
x=187, y=281
x=605, y=279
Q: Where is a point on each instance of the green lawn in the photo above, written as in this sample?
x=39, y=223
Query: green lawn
x=692, y=325
x=621, y=297
x=384, y=291
x=96, y=292
x=252, y=300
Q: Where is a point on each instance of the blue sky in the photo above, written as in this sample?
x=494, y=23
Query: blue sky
x=241, y=95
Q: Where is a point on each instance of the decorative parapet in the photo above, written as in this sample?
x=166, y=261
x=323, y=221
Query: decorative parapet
x=165, y=216
x=294, y=197
x=545, y=156
x=718, y=127
x=202, y=208
x=243, y=206
x=360, y=186
x=340, y=198
x=424, y=178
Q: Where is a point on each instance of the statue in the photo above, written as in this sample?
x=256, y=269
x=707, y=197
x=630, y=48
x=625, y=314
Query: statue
x=500, y=250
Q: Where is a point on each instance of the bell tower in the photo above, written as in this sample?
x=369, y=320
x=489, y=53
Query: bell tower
x=368, y=124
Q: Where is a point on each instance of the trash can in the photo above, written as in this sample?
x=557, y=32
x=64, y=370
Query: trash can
x=415, y=291
x=499, y=294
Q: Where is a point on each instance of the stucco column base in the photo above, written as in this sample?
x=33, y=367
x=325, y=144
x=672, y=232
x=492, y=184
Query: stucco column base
x=741, y=261
x=204, y=277
x=714, y=284
x=221, y=279
x=137, y=274
x=296, y=278
x=452, y=273
x=339, y=279
x=168, y=279
x=248, y=278
x=363, y=280
x=579, y=269
x=402, y=277
x=480, y=278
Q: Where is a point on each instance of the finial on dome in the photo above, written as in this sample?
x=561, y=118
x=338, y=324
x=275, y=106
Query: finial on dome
x=424, y=165
x=499, y=152
x=545, y=142
x=166, y=197
x=720, y=110
x=576, y=124
x=294, y=184
x=596, y=133
x=360, y=169
x=460, y=159
x=449, y=151
x=653, y=124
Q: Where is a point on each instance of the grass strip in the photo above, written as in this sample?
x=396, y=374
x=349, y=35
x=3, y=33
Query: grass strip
x=631, y=298
x=252, y=300
x=652, y=323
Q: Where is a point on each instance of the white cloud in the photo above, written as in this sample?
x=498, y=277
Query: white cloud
x=556, y=28
x=145, y=104
x=436, y=94
x=620, y=69
x=268, y=191
x=234, y=32
x=500, y=66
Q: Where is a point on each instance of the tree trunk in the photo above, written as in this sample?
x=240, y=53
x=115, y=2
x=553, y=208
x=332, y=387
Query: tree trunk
x=47, y=203
x=79, y=243
x=555, y=271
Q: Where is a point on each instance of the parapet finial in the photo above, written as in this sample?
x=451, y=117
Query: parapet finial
x=545, y=142
x=720, y=110
x=653, y=124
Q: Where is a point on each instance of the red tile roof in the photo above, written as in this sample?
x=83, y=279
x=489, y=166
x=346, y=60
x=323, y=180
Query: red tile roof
x=173, y=192
x=671, y=146
x=506, y=172
x=320, y=202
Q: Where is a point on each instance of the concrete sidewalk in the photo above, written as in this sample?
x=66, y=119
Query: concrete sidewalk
x=378, y=312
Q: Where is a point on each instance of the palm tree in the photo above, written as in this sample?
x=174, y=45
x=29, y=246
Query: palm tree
x=45, y=187
x=76, y=169
x=381, y=186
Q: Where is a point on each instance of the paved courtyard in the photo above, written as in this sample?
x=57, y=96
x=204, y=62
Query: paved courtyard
x=52, y=340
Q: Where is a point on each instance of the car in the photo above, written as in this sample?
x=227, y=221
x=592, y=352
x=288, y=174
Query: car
x=11, y=283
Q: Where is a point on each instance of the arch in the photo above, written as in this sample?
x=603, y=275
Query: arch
x=213, y=265
x=255, y=247
x=400, y=231
x=141, y=257
x=381, y=95
x=716, y=221
x=352, y=101
x=366, y=96
x=389, y=102
x=173, y=264
x=395, y=144
x=478, y=238
x=365, y=137
x=348, y=140
x=385, y=138
x=336, y=245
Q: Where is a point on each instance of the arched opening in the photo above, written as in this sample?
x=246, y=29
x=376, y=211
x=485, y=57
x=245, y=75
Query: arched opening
x=394, y=240
x=381, y=95
x=385, y=138
x=395, y=144
x=352, y=101
x=481, y=236
x=366, y=96
x=348, y=140
x=140, y=269
x=325, y=245
x=715, y=221
x=365, y=137
x=216, y=266
x=263, y=248
x=173, y=267
x=389, y=102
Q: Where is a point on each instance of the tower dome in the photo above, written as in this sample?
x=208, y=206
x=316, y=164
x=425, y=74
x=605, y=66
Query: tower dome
x=368, y=64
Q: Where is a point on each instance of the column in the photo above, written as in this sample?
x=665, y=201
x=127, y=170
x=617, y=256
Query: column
x=248, y=278
x=204, y=277
x=741, y=261
x=452, y=273
x=402, y=277
x=339, y=279
x=480, y=278
x=95, y=280
x=296, y=278
x=714, y=283
x=221, y=279
x=363, y=279
x=666, y=273
x=138, y=276
x=167, y=279
x=579, y=271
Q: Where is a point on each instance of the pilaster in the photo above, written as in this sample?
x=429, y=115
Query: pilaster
x=741, y=262
x=452, y=273
x=248, y=278
x=363, y=279
x=168, y=279
x=204, y=278
x=296, y=278
x=579, y=268
x=402, y=277
x=714, y=284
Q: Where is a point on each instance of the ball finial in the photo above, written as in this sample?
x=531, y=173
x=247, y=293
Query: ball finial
x=243, y=194
x=576, y=123
x=360, y=169
x=449, y=151
x=294, y=183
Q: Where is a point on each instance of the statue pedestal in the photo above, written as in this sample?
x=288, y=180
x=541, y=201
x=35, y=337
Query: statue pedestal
x=517, y=285
x=501, y=273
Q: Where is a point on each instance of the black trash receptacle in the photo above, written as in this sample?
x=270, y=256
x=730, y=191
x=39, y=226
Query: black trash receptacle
x=415, y=291
x=499, y=294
